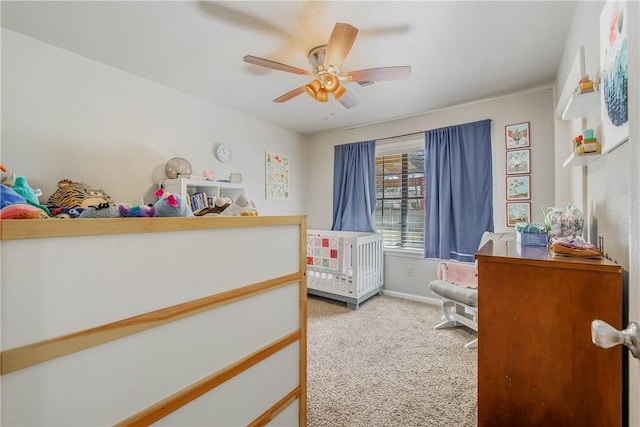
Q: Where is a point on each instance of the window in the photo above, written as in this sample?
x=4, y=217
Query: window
x=400, y=205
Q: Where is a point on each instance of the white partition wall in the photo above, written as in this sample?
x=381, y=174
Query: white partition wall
x=168, y=321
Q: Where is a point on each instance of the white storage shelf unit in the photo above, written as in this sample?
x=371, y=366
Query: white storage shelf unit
x=184, y=186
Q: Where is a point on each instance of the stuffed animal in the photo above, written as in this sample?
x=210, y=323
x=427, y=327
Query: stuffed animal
x=8, y=196
x=171, y=205
x=103, y=210
x=136, y=211
x=221, y=204
x=66, y=213
x=77, y=194
x=22, y=211
x=242, y=206
x=21, y=187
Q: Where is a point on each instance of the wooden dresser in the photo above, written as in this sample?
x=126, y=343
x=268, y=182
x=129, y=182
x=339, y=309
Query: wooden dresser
x=537, y=365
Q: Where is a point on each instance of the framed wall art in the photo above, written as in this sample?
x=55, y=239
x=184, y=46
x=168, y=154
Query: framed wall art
x=518, y=162
x=517, y=136
x=277, y=176
x=614, y=104
x=518, y=212
x=519, y=187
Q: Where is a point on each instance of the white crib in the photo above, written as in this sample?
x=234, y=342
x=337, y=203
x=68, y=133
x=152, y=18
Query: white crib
x=344, y=265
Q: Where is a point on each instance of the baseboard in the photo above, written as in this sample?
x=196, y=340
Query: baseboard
x=435, y=301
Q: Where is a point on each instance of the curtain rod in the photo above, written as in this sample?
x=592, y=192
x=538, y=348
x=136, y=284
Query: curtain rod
x=401, y=136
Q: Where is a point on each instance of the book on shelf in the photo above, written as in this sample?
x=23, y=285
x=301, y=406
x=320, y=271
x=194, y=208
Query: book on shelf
x=199, y=201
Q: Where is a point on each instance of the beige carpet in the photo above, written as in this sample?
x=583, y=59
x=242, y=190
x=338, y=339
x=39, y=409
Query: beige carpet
x=385, y=365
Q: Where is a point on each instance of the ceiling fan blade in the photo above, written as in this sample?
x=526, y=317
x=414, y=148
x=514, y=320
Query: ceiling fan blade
x=291, y=94
x=275, y=65
x=380, y=74
x=348, y=100
x=340, y=42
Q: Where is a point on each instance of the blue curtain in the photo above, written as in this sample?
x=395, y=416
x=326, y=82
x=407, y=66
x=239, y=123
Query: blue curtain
x=354, y=186
x=459, y=190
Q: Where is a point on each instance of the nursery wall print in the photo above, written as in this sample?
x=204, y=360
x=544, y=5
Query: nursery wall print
x=614, y=104
x=277, y=176
x=519, y=187
x=518, y=162
x=517, y=136
x=518, y=212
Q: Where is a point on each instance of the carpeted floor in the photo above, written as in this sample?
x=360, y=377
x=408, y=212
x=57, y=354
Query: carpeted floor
x=385, y=365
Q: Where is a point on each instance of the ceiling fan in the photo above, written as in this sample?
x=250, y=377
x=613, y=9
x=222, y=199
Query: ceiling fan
x=326, y=61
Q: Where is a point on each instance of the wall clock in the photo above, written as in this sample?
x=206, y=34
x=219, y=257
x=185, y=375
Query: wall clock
x=223, y=153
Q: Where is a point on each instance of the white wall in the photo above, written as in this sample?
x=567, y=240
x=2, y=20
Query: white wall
x=609, y=185
x=533, y=106
x=66, y=116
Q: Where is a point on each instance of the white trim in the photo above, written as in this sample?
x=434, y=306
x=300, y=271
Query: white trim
x=404, y=253
x=434, y=301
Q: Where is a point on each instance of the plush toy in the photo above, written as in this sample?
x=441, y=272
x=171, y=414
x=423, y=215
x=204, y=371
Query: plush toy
x=77, y=194
x=66, y=213
x=221, y=204
x=171, y=205
x=242, y=206
x=8, y=196
x=103, y=210
x=21, y=187
x=137, y=211
x=22, y=211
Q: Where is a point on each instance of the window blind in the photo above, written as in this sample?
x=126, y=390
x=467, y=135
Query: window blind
x=400, y=206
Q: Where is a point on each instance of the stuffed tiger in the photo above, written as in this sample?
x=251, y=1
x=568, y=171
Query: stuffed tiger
x=77, y=194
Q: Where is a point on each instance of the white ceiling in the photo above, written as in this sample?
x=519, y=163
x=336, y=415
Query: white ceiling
x=459, y=51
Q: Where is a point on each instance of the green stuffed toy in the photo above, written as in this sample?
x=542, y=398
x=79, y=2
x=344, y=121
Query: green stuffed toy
x=21, y=187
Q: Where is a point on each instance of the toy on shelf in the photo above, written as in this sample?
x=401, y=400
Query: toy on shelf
x=136, y=211
x=171, y=205
x=22, y=211
x=586, y=143
x=19, y=201
x=21, y=187
x=220, y=204
x=586, y=85
x=241, y=207
x=103, y=210
x=72, y=194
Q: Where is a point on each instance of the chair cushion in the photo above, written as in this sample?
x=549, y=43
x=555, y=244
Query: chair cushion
x=461, y=274
x=468, y=296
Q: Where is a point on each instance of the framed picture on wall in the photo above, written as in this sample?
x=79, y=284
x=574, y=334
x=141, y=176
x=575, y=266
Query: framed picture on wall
x=517, y=136
x=518, y=212
x=518, y=162
x=614, y=103
x=519, y=187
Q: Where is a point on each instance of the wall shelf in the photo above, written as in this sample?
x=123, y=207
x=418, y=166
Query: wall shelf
x=574, y=160
x=581, y=105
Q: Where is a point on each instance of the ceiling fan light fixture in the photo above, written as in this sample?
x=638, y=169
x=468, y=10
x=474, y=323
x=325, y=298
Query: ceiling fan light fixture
x=322, y=95
x=331, y=83
x=340, y=90
x=313, y=87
